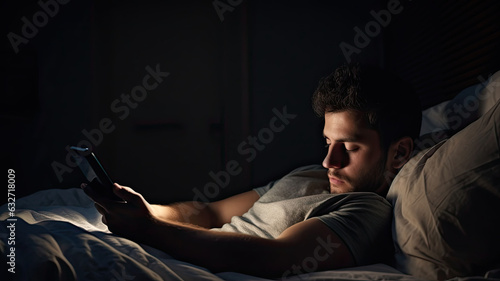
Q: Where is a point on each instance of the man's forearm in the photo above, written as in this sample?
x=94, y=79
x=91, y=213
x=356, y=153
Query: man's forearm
x=208, y=215
x=217, y=251
x=310, y=241
x=195, y=213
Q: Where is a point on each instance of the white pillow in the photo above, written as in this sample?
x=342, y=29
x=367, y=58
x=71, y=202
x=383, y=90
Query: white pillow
x=466, y=107
x=434, y=119
x=472, y=103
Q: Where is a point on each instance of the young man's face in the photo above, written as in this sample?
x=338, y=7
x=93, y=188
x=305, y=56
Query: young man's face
x=355, y=159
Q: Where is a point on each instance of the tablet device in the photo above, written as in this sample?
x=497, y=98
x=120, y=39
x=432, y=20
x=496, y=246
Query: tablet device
x=94, y=172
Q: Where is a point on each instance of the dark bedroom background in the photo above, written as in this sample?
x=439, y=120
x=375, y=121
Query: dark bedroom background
x=222, y=76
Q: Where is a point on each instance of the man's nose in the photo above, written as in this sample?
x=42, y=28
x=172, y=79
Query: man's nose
x=335, y=158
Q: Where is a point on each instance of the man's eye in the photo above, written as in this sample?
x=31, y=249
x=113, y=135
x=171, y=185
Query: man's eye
x=327, y=145
x=351, y=149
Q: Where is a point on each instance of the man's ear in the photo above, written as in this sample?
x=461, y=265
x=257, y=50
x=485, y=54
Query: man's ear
x=402, y=150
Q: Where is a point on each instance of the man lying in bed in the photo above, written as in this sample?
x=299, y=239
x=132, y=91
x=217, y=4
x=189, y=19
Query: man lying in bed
x=313, y=218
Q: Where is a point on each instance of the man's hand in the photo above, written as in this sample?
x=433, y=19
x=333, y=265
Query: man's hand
x=128, y=218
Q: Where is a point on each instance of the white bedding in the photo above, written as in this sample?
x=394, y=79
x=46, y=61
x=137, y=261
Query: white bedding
x=59, y=236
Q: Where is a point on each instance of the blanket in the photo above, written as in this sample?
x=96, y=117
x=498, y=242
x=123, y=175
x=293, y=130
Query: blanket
x=57, y=234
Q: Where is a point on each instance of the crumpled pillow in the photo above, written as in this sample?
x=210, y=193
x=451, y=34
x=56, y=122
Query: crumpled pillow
x=447, y=205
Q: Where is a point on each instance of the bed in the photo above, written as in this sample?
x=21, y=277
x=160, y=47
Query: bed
x=446, y=226
x=59, y=236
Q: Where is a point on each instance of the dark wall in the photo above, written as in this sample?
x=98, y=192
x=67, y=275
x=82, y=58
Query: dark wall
x=46, y=82
x=294, y=44
x=229, y=73
x=444, y=47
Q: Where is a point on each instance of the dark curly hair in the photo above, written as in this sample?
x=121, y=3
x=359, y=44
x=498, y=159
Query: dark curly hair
x=388, y=103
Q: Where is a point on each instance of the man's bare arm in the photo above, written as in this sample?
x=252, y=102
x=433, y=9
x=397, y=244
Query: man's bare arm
x=207, y=215
x=306, y=246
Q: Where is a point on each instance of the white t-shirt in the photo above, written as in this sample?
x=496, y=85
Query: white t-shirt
x=361, y=219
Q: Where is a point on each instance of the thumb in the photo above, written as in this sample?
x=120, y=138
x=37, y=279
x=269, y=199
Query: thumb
x=128, y=194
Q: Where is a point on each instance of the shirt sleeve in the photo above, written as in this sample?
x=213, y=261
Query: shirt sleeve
x=263, y=189
x=363, y=222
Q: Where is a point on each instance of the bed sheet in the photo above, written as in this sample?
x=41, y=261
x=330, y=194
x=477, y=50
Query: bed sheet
x=59, y=236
